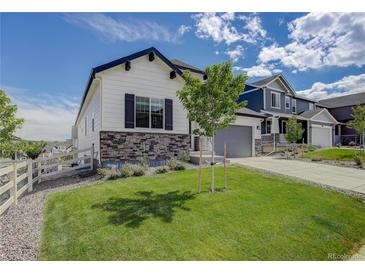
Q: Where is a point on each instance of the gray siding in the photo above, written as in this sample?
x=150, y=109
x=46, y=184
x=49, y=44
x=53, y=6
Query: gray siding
x=302, y=105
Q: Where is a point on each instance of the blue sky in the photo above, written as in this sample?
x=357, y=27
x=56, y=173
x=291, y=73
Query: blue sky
x=46, y=57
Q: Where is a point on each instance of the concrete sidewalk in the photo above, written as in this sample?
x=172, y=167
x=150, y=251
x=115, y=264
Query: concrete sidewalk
x=342, y=178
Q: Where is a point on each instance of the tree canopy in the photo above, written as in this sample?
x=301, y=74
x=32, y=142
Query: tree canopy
x=9, y=123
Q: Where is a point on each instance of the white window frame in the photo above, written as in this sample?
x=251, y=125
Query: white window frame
x=279, y=100
x=287, y=100
x=149, y=113
x=311, y=106
x=294, y=105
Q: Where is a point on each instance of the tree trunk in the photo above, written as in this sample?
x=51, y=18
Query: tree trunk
x=200, y=162
x=212, y=167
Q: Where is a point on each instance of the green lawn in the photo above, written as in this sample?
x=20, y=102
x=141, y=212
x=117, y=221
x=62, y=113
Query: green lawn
x=333, y=154
x=260, y=217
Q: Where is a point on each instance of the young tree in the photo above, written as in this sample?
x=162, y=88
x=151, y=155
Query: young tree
x=33, y=148
x=212, y=104
x=8, y=124
x=358, y=124
x=294, y=131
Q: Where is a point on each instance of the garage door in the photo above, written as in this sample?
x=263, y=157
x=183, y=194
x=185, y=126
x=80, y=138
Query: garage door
x=322, y=136
x=238, y=140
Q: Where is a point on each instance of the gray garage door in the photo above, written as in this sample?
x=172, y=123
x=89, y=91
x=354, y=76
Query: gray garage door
x=238, y=140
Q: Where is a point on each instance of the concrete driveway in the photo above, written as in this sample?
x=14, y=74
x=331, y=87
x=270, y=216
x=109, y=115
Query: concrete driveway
x=347, y=179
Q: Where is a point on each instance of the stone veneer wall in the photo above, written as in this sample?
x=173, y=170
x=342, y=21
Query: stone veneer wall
x=131, y=146
x=258, y=148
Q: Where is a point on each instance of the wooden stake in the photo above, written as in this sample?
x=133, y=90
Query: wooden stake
x=225, y=166
x=200, y=162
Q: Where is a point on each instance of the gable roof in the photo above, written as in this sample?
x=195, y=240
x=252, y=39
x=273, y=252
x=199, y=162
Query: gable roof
x=310, y=113
x=265, y=82
x=119, y=62
x=182, y=65
x=345, y=100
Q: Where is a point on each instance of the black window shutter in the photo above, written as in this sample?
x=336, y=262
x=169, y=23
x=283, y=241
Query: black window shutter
x=129, y=111
x=168, y=114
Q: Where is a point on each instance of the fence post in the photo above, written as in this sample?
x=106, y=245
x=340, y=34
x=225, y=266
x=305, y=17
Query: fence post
x=30, y=174
x=39, y=166
x=92, y=158
x=13, y=176
x=225, y=166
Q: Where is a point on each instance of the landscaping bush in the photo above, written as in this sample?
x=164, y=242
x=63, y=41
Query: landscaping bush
x=171, y=164
x=102, y=172
x=114, y=174
x=358, y=159
x=144, y=162
x=126, y=171
x=180, y=166
x=138, y=170
x=162, y=169
x=184, y=156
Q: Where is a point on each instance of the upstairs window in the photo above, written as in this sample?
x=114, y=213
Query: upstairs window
x=287, y=102
x=311, y=106
x=275, y=99
x=157, y=113
x=142, y=112
x=294, y=105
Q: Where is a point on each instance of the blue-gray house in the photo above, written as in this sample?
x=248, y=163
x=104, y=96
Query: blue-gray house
x=277, y=100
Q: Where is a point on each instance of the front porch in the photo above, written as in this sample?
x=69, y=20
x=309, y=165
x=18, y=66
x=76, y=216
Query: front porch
x=273, y=130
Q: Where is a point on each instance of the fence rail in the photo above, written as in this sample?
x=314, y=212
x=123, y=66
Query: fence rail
x=17, y=177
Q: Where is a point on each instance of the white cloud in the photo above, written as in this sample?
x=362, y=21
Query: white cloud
x=235, y=54
x=216, y=52
x=124, y=30
x=220, y=28
x=347, y=85
x=321, y=39
x=46, y=117
x=260, y=70
x=183, y=29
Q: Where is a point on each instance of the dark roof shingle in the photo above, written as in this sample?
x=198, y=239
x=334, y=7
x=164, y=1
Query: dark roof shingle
x=345, y=100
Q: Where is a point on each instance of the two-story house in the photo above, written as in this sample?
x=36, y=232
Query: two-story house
x=341, y=108
x=130, y=110
x=277, y=100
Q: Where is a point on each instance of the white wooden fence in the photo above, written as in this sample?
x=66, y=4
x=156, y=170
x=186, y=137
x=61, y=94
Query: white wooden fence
x=22, y=175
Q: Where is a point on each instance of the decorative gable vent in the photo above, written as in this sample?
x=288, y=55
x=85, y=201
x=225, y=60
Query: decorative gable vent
x=151, y=56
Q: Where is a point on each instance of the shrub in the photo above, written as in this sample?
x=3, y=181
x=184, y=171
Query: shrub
x=138, y=170
x=184, y=156
x=126, y=171
x=171, y=164
x=358, y=159
x=180, y=166
x=144, y=162
x=114, y=174
x=311, y=148
x=101, y=172
x=162, y=169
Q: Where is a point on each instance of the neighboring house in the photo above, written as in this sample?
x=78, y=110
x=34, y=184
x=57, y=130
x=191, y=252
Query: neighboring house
x=276, y=99
x=130, y=110
x=341, y=108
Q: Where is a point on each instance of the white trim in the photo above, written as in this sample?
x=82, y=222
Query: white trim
x=253, y=130
x=321, y=126
x=149, y=113
x=276, y=93
x=264, y=89
x=287, y=97
x=251, y=90
x=328, y=113
x=292, y=105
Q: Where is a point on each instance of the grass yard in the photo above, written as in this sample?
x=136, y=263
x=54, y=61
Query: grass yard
x=333, y=154
x=260, y=217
